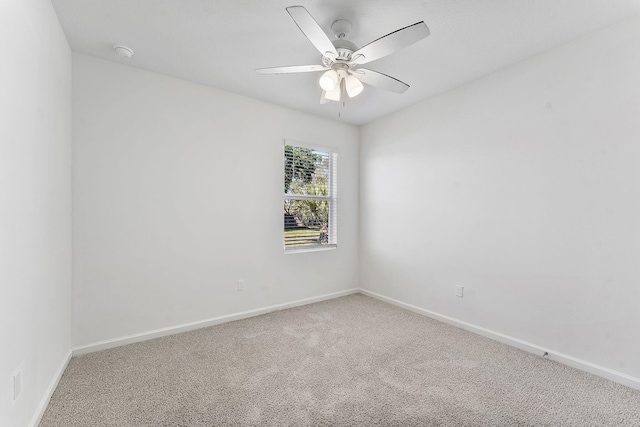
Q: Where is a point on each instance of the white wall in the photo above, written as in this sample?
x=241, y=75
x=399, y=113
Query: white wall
x=35, y=205
x=178, y=194
x=524, y=187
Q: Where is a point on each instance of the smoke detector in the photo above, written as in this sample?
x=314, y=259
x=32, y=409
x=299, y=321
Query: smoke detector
x=124, y=51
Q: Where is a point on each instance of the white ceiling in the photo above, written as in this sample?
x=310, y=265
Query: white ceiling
x=220, y=43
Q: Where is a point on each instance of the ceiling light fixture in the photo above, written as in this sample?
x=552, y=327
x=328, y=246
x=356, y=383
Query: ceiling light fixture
x=347, y=85
x=335, y=94
x=329, y=80
x=353, y=86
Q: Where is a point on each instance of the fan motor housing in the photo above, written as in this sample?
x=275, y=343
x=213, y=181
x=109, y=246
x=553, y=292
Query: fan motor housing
x=344, y=48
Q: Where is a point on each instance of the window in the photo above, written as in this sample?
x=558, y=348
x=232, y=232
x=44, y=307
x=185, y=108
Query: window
x=310, y=197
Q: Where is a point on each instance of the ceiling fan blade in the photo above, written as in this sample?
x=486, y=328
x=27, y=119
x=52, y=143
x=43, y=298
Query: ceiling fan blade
x=380, y=80
x=312, y=30
x=291, y=69
x=391, y=43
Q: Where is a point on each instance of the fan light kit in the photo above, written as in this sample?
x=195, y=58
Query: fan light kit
x=341, y=59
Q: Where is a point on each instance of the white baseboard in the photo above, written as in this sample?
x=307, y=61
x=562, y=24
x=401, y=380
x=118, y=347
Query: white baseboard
x=565, y=359
x=130, y=339
x=44, y=402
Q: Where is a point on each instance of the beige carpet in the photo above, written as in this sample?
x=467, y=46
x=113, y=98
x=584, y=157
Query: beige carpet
x=351, y=361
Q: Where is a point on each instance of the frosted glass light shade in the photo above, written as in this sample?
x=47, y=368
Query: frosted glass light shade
x=329, y=80
x=334, y=95
x=353, y=86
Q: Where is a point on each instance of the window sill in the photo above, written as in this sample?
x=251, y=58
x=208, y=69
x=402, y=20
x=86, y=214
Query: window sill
x=310, y=249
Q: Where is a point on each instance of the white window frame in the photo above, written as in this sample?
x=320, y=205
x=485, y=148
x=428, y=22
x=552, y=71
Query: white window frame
x=332, y=198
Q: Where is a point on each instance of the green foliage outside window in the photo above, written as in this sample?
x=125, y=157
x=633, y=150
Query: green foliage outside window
x=306, y=221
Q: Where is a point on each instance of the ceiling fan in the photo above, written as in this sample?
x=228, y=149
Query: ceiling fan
x=341, y=59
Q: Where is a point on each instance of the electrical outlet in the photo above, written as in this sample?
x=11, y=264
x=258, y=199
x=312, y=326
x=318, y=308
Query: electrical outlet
x=460, y=291
x=240, y=285
x=17, y=385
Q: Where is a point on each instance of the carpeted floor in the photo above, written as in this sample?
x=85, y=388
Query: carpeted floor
x=351, y=361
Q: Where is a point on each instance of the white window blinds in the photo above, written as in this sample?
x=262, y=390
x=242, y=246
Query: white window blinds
x=310, y=197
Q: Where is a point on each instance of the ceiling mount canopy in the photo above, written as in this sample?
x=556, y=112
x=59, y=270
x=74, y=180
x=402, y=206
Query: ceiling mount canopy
x=341, y=28
x=341, y=59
